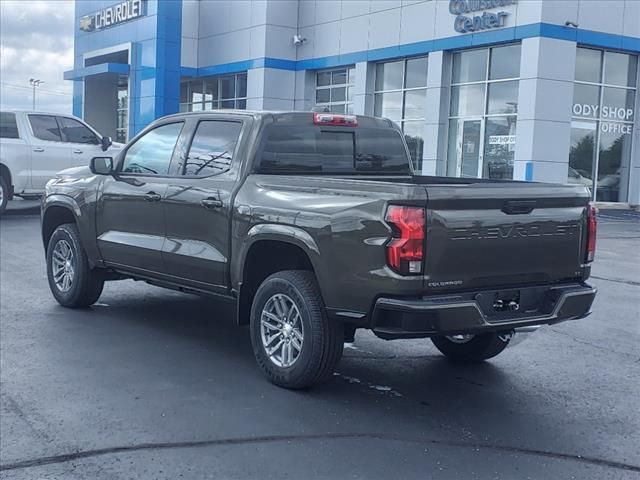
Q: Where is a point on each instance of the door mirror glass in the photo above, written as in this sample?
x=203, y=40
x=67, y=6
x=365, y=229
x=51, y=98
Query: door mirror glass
x=101, y=165
x=106, y=143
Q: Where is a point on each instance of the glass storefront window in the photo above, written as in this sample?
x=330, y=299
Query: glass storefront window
x=333, y=88
x=467, y=100
x=499, y=147
x=503, y=97
x=620, y=69
x=582, y=152
x=602, y=126
x=400, y=95
x=505, y=62
x=483, y=114
x=470, y=66
x=212, y=93
x=588, y=65
x=122, y=111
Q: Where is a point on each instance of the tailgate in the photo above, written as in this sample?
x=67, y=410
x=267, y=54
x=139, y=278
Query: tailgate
x=504, y=234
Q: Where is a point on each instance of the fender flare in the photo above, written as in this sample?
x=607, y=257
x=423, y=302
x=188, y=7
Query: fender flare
x=280, y=233
x=58, y=200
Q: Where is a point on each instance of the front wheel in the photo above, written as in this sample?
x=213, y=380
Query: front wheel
x=71, y=280
x=294, y=342
x=472, y=348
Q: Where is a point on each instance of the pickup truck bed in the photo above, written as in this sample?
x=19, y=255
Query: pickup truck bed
x=314, y=225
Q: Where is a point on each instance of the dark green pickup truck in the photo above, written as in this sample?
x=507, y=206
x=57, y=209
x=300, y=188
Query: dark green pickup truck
x=315, y=225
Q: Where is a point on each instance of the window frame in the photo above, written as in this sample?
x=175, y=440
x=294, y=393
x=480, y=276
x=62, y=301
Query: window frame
x=202, y=81
x=350, y=71
x=29, y=115
x=181, y=167
x=171, y=171
x=416, y=163
x=483, y=116
x=598, y=120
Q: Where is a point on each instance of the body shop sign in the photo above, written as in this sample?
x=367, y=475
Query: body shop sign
x=471, y=15
x=609, y=116
x=114, y=15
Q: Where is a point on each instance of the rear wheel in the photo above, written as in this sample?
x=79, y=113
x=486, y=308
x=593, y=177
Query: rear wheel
x=4, y=194
x=72, y=282
x=472, y=348
x=294, y=342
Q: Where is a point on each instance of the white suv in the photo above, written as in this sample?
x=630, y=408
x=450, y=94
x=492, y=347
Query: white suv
x=34, y=146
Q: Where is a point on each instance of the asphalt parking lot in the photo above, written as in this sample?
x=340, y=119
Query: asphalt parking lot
x=153, y=384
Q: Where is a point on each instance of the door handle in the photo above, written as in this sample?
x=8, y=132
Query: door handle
x=211, y=203
x=77, y=151
x=152, y=197
x=38, y=149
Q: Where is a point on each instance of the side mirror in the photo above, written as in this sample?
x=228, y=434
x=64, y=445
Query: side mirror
x=101, y=165
x=106, y=143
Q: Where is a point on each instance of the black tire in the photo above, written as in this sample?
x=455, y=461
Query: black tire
x=479, y=348
x=87, y=284
x=4, y=185
x=322, y=343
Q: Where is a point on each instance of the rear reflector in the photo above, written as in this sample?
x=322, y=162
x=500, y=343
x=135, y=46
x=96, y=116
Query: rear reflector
x=405, y=251
x=592, y=227
x=335, y=119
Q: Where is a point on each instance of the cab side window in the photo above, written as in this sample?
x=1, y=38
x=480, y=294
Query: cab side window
x=75, y=132
x=151, y=154
x=8, y=125
x=212, y=148
x=45, y=127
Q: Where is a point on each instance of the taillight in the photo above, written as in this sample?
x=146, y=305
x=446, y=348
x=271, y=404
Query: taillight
x=592, y=227
x=405, y=251
x=335, y=119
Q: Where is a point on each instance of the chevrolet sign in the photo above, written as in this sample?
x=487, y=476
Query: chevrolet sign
x=114, y=15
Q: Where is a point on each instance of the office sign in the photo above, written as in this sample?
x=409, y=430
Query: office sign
x=466, y=21
x=610, y=117
x=114, y=15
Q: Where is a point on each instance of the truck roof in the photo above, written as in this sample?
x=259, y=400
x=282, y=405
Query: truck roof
x=291, y=116
x=35, y=112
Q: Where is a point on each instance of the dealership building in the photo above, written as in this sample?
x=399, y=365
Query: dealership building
x=539, y=90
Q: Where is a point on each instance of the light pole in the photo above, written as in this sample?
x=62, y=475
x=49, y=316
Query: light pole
x=35, y=83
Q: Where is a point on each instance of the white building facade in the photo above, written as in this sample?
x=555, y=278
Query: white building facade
x=538, y=90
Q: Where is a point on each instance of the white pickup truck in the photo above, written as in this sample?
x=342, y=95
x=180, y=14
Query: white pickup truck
x=34, y=146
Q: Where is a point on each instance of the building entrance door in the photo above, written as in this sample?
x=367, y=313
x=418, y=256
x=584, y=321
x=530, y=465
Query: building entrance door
x=470, y=149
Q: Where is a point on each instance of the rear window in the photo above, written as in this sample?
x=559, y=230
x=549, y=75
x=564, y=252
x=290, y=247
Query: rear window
x=331, y=150
x=8, y=125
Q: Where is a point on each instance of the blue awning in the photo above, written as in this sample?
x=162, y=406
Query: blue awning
x=82, y=73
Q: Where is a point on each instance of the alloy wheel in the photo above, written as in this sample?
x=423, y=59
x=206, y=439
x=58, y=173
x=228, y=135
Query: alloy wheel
x=63, y=265
x=281, y=330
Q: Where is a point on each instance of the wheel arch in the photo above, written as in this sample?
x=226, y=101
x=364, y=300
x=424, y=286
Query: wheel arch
x=55, y=212
x=269, y=249
x=6, y=173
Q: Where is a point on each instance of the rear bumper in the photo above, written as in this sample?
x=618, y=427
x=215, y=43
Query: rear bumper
x=470, y=313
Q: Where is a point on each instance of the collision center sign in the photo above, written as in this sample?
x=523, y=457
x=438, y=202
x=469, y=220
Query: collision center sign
x=114, y=15
x=464, y=23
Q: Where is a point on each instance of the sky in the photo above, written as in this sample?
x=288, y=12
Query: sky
x=36, y=41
